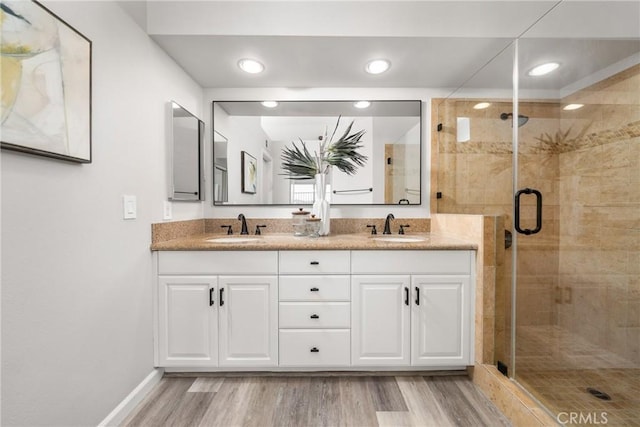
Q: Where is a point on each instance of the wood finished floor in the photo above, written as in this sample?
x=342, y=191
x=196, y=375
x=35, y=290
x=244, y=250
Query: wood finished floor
x=264, y=401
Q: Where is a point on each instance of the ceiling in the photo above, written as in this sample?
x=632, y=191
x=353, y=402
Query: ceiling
x=431, y=44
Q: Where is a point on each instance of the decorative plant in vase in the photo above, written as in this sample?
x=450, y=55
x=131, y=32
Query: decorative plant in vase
x=300, y=163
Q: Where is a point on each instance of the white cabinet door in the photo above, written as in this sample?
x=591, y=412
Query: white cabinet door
x=188, y=321
x=248, y=308
x=380, y=320
x=440, y=320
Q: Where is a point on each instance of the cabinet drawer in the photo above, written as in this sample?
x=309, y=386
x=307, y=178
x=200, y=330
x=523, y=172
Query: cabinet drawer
x=315, y=315
x=314, y=288
x=218, y=262
x=314, y=262
x=315, y=347
x=411, y=262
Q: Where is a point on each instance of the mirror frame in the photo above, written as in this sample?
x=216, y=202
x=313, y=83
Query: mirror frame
x=181, y=196
x=421, y=150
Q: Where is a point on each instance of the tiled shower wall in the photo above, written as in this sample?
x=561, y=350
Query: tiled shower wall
x=599, y=164
x=581, y=271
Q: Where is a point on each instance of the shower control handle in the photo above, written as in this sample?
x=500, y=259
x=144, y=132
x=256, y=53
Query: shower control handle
x=516, y=220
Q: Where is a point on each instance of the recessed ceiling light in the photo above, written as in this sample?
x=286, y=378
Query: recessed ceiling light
x=377, y=66
x=362, y=104
x=269, y=104
x=481, y=105
x=250, y=66
x=543, y=69
x=570, y=107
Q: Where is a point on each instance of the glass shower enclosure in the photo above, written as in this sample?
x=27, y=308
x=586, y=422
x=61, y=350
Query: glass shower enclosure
x=557, y=157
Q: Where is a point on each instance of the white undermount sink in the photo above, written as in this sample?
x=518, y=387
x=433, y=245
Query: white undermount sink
x=399, y=239
x=233, y=239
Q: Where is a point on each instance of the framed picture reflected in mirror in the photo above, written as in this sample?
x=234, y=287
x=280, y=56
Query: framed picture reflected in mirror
x=249, y=170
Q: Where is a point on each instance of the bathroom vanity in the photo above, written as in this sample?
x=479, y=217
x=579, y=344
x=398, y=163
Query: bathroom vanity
x=336, y=303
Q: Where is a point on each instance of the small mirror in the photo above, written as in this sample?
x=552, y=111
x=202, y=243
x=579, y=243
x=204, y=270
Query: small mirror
x=187, y=144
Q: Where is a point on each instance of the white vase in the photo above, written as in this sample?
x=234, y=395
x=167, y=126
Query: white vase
x=321, y=206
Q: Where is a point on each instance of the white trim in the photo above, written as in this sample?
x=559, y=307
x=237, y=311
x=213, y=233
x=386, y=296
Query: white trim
x=133, y=399
x=328, y=370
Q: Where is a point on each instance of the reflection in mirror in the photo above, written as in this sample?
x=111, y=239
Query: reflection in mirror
x=187, y=144
x=392, y=143
x=221, y=185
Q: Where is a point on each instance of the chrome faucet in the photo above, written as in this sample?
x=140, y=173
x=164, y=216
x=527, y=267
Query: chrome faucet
x=244, y=229
x=387, y=228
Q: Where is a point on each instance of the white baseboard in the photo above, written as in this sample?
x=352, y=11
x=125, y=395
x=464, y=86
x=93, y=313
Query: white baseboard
x=133, y=399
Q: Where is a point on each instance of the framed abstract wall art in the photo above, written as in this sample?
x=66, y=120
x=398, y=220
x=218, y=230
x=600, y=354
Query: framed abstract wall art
x=249, y=172
x=46, y=83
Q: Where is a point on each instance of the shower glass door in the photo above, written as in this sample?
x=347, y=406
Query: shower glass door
x=557, y=157
x=472, y=174
x=577, y=199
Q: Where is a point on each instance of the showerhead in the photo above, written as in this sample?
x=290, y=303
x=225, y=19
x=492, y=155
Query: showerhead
x=522, y=119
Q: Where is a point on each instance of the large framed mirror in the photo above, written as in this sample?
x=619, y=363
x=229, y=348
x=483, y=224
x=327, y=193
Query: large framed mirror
x=392, y=143
x=186, y=163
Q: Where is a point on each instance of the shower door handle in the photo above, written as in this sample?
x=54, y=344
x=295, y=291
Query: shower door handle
x=516, y=221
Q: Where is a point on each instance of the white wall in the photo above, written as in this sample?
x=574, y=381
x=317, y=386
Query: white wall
x=253, y=94
x=76, y=277
x=341, y=181
x=245, y=134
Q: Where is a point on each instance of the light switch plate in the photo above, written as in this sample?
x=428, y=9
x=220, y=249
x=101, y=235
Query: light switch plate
x=129, y=207
x=167, y=211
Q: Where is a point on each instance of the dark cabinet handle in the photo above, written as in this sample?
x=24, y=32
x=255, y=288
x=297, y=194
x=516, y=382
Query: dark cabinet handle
x=406, y=296
x=516, y=219
x=315, y=316
x=417, y=295
x=221, y=299
x=315, y=350
x=211, y=301
x=314, y=263
x=314, y=289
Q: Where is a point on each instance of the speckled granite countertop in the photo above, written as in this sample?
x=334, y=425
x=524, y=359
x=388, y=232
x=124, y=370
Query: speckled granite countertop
x=274, y=241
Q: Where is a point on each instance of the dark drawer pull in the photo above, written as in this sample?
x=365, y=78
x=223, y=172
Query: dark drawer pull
x=314, y=289
x=315, y=316
x=315, y=350
x=314, y=263
x=211, y=292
